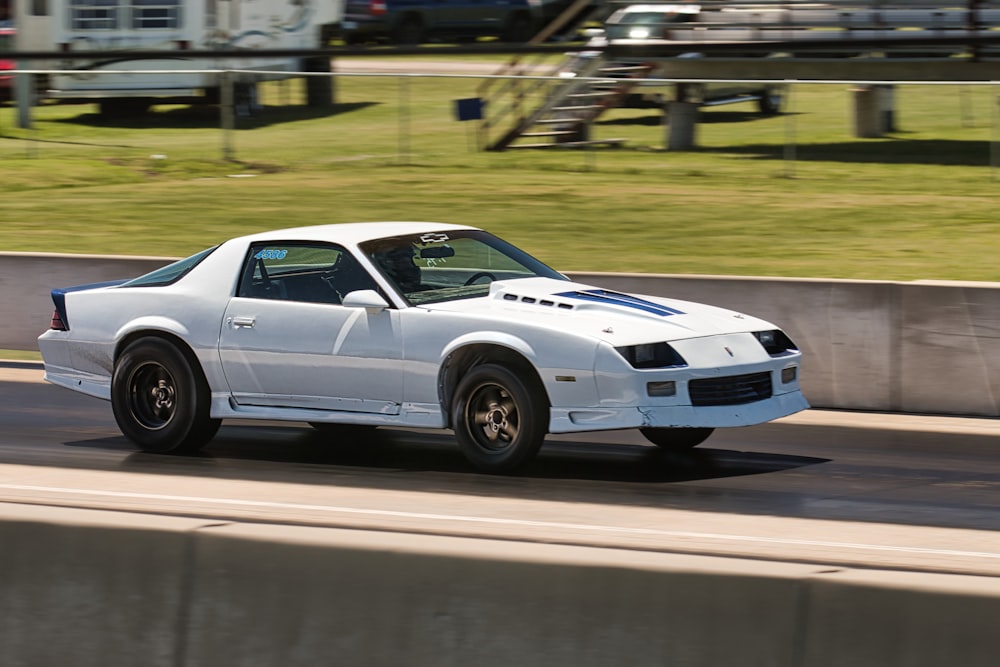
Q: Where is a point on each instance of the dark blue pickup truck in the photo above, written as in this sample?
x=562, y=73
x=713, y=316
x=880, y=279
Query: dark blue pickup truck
x=416, y=21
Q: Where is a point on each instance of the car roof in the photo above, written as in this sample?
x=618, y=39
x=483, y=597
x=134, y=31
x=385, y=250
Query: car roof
x=666, y=9
x=350, y=233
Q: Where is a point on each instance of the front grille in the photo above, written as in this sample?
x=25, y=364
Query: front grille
x=732, y=390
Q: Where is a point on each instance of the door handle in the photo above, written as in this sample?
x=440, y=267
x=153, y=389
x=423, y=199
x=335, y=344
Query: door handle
x=243, y=322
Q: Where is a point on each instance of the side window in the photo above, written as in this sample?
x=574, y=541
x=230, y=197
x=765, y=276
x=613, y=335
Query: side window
x=155, y=14
x=308, y=272
x=94, y=14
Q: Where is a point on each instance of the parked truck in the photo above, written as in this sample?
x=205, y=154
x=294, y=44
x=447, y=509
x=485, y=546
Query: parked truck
x=121, y=84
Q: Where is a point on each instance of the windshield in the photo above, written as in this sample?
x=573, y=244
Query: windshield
x=430, y=268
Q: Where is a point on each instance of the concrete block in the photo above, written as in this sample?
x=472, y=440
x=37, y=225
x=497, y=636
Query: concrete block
x=950, y=348
x=90, y=589
x=900, y=619
x=27, y=279
x=270, y=595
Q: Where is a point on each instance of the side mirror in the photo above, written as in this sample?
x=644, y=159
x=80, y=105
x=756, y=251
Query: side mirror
x=368, y=299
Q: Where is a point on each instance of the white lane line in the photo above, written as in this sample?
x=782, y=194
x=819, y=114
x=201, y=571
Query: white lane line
x=594, y=528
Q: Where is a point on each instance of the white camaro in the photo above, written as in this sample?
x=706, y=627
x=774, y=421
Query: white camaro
x=409, y=324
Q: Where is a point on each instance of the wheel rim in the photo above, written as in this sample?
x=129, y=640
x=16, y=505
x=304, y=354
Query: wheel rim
x=492, y=417
x=152, y=396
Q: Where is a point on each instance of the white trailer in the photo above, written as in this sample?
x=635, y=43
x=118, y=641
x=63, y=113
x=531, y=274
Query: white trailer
x=121, y=84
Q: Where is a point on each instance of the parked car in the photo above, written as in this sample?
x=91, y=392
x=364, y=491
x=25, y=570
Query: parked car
x=652, y=24
x=416, y=21
x=409, y=324
x=6, y=66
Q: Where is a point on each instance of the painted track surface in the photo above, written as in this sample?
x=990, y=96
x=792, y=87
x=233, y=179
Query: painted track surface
x=842, y=489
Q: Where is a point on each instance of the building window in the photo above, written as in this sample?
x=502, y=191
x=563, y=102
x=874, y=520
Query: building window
x=94, y=15
x=155, y=14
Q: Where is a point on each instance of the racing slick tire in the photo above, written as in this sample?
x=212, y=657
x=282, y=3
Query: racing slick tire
x=160, y=399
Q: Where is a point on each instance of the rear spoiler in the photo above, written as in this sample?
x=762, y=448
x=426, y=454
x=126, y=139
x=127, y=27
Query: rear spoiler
x=59, y=295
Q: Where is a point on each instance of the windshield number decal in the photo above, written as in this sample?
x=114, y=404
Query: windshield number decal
x=271, y=254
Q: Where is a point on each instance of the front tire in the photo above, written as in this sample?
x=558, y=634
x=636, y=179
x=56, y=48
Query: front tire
x=160, y=399
x=676, y=439
x=500, y=418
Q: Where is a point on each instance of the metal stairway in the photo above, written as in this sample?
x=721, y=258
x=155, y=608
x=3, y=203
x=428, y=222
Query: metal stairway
x=545, y=100
x=536, y=112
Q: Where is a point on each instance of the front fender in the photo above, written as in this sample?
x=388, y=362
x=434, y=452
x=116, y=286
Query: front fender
x=498, y=338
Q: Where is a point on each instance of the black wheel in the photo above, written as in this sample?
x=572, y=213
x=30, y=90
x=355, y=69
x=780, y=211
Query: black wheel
x=500, y=418
x=245, y=100
x=123, y=107
x=319, y=89
x=410, y=32
x=770, y=101
x=518, y=30
x=161, y=402
x=676, y=438
x=481, y=274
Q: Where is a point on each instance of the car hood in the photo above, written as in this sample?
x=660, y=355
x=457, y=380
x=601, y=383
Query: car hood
x=615, y=317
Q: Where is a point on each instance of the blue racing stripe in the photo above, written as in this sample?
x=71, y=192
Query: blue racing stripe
x=619, y=299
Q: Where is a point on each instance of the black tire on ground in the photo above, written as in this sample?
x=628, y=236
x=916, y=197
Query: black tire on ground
x=123, y=107
x=160, y=400
x=319, y=89
x=770, y=101
x=500, y=418
x=518, y=30
x=245, y=100
x=409, y=32
x=676, y=439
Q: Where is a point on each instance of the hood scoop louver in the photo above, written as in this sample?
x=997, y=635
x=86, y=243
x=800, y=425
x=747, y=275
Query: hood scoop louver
x=508, y=296
x=597, y=296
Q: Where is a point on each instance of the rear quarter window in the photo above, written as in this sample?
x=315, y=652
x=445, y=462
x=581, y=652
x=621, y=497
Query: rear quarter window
x=170, y=273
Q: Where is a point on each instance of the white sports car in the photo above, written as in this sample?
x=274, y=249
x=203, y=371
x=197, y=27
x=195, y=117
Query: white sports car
x=409, y=324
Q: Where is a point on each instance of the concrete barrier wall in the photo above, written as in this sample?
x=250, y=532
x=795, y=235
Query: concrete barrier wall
x=82, y=588
x=918, y=347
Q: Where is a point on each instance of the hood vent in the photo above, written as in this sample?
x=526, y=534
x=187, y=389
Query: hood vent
x=541, y=302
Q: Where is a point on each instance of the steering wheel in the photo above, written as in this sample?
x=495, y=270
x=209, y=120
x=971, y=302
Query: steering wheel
x=477, y=276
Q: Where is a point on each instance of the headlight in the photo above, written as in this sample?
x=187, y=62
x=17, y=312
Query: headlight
x=775, y=341
x=638, y=33
x=652, y=355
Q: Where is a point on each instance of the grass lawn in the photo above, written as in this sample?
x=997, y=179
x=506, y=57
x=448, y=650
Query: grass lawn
x=919, y=204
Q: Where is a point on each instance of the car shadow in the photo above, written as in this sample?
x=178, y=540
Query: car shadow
x=569, y=469
x=893, y=150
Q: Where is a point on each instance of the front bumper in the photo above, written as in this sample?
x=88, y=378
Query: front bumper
x=570, y=420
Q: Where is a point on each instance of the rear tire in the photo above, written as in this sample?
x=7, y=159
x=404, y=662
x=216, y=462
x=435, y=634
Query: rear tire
x=770, y=101
x=518, y=30
x=410, y=32
x=500, y=418
x=160, y=400
x=676, y=439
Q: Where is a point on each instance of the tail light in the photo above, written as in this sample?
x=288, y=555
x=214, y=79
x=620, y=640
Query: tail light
x=57, y=322
x=377, y=8
x=65, y=47
x=183, y=44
